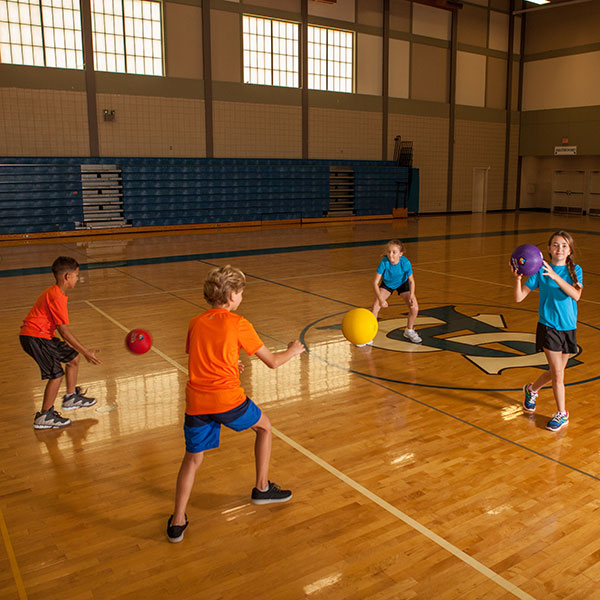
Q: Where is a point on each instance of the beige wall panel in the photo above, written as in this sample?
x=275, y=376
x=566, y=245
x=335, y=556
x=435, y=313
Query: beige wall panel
x=183, y=40
x=562, y=82
x=225, y=46
x=430, y=155
x=369, y=12
x=568, y=27
x=498, y=36
x=247, y=130
x=517, y=36
x=431, y=22
x=400, y=16
x=537, y=173
x=343, y=10
x=513, y=165
x=472, y=26
x=496, y=83
x=344, y=134
x=147, y=126
x=368, y=68
x=470, y=79
x=515, y=85
x=289, y=5
x=429, y=73
x=478, y=144
x=399, y=68
x=43, y=123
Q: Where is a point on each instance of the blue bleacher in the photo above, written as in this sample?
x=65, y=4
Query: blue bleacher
x=44, y=194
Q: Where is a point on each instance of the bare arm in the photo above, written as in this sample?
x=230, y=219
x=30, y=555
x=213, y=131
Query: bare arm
x=520, y=291
x=90, y=355
x=376, y=288
x=573, y=291
x=276, y=359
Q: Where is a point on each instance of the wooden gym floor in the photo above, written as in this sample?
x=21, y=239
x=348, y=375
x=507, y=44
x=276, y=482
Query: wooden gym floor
x=415, y=472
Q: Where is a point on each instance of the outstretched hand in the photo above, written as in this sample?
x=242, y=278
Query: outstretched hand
x=90, y=356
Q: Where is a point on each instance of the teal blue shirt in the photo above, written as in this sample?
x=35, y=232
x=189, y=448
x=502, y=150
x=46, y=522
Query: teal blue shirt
x=393, y=276
x=557, y=310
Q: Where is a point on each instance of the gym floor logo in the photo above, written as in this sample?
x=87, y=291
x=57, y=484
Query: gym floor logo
x=482, y=339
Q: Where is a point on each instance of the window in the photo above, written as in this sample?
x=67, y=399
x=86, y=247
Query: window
x=330, y=59
x=127, y=34
x=44, y=33
x=271, y=52
x=272, y=49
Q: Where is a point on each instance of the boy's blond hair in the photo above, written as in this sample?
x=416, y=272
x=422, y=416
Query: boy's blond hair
x=221, y=282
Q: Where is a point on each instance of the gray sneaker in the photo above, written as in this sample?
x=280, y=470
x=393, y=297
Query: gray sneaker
x=413, y=336
x=49, y=419
x=77, y=400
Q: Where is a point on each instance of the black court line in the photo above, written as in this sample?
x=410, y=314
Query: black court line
x=135, y=262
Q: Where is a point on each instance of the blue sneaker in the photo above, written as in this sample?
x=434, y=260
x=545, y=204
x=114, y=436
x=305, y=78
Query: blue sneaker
x=558, y=421
x=530, y=398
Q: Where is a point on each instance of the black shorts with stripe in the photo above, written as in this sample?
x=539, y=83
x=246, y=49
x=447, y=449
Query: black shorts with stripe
x=48, y=354
x=554, y=340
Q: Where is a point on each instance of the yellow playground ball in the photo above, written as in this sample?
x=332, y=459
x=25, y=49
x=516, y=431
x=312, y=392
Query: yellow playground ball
x=359, y=326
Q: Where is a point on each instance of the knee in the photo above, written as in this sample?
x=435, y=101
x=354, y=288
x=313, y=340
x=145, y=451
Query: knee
x=194, y=459
x=264, y=425
x=73, y=363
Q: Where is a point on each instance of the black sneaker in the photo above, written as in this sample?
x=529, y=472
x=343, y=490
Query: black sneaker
x=273, y=494
x=77, y=400
x=175, y=532
x=49, y=419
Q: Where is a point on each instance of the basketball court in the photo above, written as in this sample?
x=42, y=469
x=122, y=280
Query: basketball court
x=416, y=474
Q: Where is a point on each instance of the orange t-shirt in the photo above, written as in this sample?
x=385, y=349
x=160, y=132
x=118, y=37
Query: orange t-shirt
x=49, y=311
x=213, y=343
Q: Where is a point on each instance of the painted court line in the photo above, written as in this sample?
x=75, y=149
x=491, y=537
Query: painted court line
x=434, y=537
x=12, y=559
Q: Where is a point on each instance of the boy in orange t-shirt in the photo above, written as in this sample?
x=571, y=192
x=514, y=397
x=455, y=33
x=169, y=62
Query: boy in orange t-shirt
x=214, y=395
x=49, y=314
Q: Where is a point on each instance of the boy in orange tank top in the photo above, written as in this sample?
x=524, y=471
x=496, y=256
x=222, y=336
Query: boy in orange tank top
x=214, y=395
x=48, y=315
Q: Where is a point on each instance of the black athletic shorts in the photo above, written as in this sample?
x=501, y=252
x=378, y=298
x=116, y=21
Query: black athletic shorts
x=48, y=354
x=405, y=287
x=557, y=341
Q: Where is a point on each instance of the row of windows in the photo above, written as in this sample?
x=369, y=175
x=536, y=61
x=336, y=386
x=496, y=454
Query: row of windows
x=127, y=38
x=127, y=34
x=272, y=55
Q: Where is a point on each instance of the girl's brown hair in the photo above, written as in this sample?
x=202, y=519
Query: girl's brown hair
x=570, y=262
x=395, y=243
x=221, y=282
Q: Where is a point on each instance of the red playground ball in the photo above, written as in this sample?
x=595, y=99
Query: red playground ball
x=138, y=341
x=527, y=259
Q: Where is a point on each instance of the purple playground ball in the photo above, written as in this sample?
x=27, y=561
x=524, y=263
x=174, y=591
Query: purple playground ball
x=527, y=259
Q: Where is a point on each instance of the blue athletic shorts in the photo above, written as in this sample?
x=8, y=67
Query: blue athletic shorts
x=202, y=431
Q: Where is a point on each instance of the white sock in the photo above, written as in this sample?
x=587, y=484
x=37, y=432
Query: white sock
x=266, y=489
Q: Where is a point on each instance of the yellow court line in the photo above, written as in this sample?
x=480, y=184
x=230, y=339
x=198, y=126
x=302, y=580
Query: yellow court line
x=12, y=559
x=434, y=537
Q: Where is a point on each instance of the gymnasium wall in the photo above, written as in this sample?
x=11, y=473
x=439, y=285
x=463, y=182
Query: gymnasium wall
x=561, y=100
x=165, y=116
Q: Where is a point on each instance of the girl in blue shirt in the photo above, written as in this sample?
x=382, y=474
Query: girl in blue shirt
x=394, y=274
x=560, y=283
